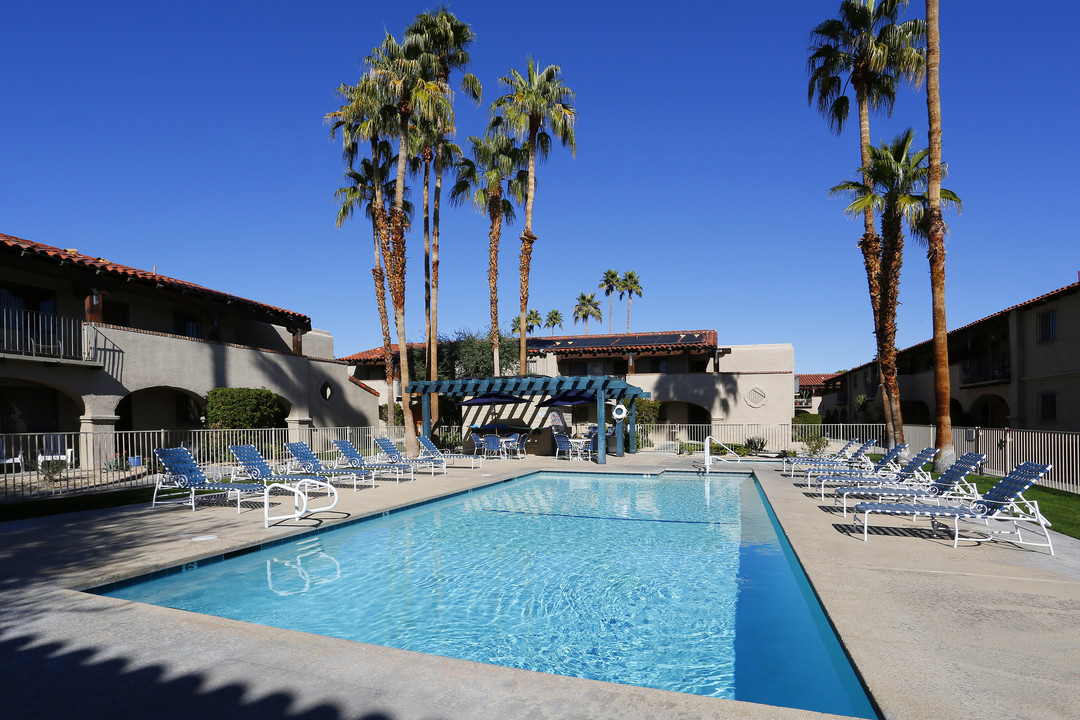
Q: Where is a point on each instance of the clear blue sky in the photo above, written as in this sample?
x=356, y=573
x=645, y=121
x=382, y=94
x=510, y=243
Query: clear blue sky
x=189, y=136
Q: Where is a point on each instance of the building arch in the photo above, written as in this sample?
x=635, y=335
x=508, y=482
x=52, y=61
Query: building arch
x=915, y=412
x=680, y=412
x=161, y=407
x=29, y=406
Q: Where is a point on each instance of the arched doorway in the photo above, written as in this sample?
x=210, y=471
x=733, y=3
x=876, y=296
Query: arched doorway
x=160, y=408
x=30, y=407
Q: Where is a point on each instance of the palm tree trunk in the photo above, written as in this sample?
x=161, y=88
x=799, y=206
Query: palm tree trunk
x=527, y=240
x=629, y=299
x=870, y=244
x=891, y=260
x=433, y=362
x=382, y=249
x=494, y=234
x=936, y=244
x=396, y=268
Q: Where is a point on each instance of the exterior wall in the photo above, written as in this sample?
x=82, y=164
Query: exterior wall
x=133, y=361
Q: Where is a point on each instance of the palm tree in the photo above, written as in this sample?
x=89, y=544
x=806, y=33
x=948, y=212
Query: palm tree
x=898, y=177
x=496, y=159
x=365, y=116
x=535, y=102
x=404, y=74
x=553, y=320
x=439, y=33
x=587, y=307
x=629, y=284
x=865, y=48
x=936, y=243
x=609, y=283
x=533, y=320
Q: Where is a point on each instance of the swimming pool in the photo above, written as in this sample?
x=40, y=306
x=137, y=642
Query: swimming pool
x=674, y=581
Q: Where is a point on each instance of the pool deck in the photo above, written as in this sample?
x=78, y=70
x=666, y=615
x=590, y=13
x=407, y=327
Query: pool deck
x=989, y=630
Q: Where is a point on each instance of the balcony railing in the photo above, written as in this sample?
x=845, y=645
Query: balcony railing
x=35, y=334
x=992, y=367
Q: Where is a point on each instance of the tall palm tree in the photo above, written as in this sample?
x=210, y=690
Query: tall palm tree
x=441, y=34
x=609, y=283
x=866, y=49
x=496, y=160
x=553, y=320
x=536, y=101
x=936, y=243
x=533, y=320
x=898, y=178
x=587, y=307
x=629, y=285
x=406, y=78
x=365, y=116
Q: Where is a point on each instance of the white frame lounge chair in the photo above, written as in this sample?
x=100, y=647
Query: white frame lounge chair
x=349, y=456
x=1004, y=502
x=842, y=454
x=306, y=461
x=429, y=450
x=857, y=461
x=386, y=447
x=885, y=471
x=950, y=485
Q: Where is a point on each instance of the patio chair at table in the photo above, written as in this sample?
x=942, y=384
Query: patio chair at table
x=1004, y=502
x=429, y=450
x=54, y=449
x=564, y=447
x=350, y=457
x=306, y=460
x=493, y=446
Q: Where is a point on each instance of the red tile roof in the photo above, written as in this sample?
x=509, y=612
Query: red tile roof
x=375, y=355
x=102, y=266
x=813, y=379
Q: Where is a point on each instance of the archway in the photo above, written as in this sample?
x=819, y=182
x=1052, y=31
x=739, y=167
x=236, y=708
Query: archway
x=915, y=412
x=31, y=407
x=678, y=412
x=957, y=416
x=160, y=408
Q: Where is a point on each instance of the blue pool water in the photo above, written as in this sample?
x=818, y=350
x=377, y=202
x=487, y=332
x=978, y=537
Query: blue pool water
x=671, y=581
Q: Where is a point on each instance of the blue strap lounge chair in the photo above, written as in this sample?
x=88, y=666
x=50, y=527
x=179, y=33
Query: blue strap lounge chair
x=884, y=471
x=306, y=461
x=183, y=478
x=253, y=465
x=856, y=461
x=842, y=454
x=429, y=450
x=1003, y=502
x=349, y=456
x=951, y=484
x=387, y=448
x=885, y=466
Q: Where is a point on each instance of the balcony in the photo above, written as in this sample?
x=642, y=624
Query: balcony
x=985, y=369
x=45, y=336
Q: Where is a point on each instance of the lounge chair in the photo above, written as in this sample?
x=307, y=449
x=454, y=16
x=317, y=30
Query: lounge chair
x=885, y=466
x=11, y=459
x=857, y=460
x=884, y=471
x=387, y=448
x=349, y=456
x=428, y=450
x=183, y=478
x=1003, y=502
x=306, y=461
x=951, y=484
x=253, y=465
x=842, y=454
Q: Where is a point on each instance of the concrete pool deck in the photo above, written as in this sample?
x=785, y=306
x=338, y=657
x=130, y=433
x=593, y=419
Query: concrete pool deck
x=981, y=631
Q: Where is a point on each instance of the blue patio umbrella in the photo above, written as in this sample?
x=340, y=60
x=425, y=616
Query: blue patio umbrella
x=493, y=398
x=569, y=397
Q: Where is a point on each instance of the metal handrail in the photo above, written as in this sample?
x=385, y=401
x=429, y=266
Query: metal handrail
x=708, y=450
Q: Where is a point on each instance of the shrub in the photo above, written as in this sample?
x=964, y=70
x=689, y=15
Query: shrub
x=807, y=419
x=52, y=469
x=399, y=414
x=755, y=444
x=242, y=409
x=646, y=411
x=815, y=445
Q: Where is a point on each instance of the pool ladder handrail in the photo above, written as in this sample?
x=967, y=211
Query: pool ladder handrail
x=708, y=456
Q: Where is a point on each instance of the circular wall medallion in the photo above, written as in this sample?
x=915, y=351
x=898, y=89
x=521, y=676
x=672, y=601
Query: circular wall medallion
x=755, y=397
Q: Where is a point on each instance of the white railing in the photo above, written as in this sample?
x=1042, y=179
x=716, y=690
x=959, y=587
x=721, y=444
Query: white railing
x=36, y=334
x=709, y=442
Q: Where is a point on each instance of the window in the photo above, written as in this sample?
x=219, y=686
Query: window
x=115, y=313
x=1046, y=326
x=660, y=364
x=186, y=324
x=579, y=368
x=1047, y=402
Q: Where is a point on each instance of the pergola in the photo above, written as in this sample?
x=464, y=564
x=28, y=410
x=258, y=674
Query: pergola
x=605, y=387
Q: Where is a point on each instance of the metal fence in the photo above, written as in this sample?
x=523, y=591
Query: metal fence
x=26, y=332
x=45, y=464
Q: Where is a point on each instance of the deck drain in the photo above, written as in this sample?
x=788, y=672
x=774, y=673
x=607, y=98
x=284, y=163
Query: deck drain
x=197, y=538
